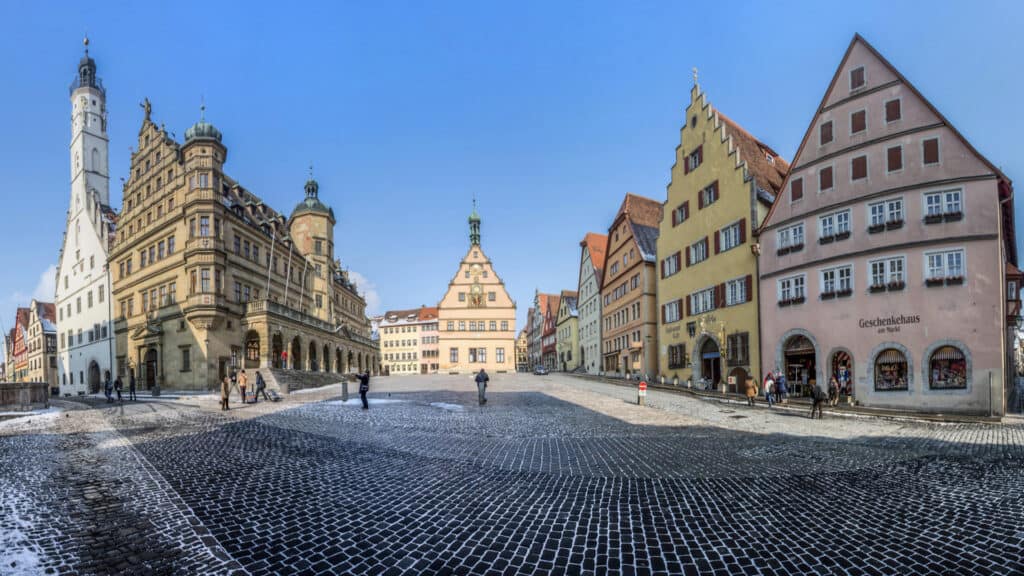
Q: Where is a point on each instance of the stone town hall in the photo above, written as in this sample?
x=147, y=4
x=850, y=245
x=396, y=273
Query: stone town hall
x=200, y=277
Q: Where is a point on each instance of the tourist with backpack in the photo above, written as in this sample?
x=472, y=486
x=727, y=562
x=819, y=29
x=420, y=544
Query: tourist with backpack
x=769, y=389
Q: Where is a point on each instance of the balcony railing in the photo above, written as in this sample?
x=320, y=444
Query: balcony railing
x=264, y=306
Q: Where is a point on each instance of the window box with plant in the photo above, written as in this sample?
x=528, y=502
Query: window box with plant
x=842, y=235
x=933, y=218
x=875, y=288
x=896, y=285
x=828, y=295
x=894, y=224
x=826, y=239
x=935, y=281
x=783, y=251
x=953, y=216
x=798, y=300
x=844, y=293
x=876, y=228
x=785, y=302
x=796, y=247
x=954, y=280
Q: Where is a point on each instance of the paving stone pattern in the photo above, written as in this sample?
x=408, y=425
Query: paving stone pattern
x=554, y=475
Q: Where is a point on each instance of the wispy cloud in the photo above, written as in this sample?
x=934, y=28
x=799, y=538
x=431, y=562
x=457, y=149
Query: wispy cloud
x=368, y=290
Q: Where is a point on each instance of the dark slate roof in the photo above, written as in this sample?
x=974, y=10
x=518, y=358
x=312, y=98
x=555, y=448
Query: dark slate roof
x=647, y=240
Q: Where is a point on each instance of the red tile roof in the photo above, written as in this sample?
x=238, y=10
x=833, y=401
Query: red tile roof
x=597, y=245
x=640, y=210
x=769, y=174
x=428, y=313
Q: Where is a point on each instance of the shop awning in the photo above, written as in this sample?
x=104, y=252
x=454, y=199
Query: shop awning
x=891, y=357
x=948, y=353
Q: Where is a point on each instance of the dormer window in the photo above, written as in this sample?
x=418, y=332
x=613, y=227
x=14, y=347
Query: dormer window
x=857, y=79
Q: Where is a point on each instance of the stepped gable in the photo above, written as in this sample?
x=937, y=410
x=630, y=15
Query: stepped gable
x=765, y=165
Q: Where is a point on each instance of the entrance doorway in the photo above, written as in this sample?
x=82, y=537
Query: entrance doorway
x=799, y=356
x=94, y=377
x=842, y=369
x=150, y=369
x=710, y=363
x=737, y=381
x=277, y=353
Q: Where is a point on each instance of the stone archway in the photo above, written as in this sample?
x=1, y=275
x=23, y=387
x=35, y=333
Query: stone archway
x=351, y=361
x=841, y=365
x=277, y=349
x=780, y=351
x=326, y=358
x=94, y=377
x=150, y=364
x=699, y=366
x=873, y=360
x=313, y=364
x=339, y=365
x=295, y=356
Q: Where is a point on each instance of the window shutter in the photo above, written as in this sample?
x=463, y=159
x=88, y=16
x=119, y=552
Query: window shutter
x=714, y=195
x=749, y=288
x=678, y=258
x=718, y=234
x=892, y=110
x=675, y=218
x=686, y=164
x=931, y=151
x=895, y=158
x=662, y=268
x=663, y=313
x=720, y=296
x=743, y=230
x=796, y=189
x=700, y=154
x=689, y=311
x=688, y=257
x=700, y=200
x=686, y=209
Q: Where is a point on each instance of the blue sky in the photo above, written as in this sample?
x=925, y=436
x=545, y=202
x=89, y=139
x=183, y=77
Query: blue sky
x=548, y=111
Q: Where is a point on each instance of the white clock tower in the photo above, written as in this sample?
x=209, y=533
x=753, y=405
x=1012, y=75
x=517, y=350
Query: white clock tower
x=85, y=332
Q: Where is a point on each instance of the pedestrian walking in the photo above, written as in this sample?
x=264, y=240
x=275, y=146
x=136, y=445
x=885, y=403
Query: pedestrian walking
x=261, y=388
x=131, y=387
x=818, y=397
x=118, y=386
x=833, y=391
x=780, y=385
x=108, y=387
x=364, y=387
x=481, y=386
x=225, y=392
x=751, y=390
x=769, y=389
x=243, y=381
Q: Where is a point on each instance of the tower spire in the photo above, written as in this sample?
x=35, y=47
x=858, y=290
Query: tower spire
x=474, y=225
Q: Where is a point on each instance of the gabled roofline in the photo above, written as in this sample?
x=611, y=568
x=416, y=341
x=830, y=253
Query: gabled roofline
x=835, y=77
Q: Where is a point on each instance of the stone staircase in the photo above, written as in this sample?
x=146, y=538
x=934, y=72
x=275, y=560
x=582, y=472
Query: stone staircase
x=286, y=381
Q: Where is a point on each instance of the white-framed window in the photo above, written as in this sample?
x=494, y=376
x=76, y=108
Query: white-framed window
x=703, y=301
x=736, y=291
x=730, y=237
x=791, y=235
x=943, y=202
x=885, y=211
x=838, y=279
x=835, y=223
x=792, y=287
x=672, y=312
x=699, y=251
x=886, y=270
x=709, y=194
x=669, y=265
x=944, y=264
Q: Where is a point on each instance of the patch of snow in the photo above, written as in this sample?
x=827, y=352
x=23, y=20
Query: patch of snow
x=318, y=389
x=12, y=419
x=357, y=402
x=449, y=407
x=17, y=557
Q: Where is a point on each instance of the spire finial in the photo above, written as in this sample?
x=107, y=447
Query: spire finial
x=202, y=108
x=694, y=75
x=85, y=42
x=310, y=170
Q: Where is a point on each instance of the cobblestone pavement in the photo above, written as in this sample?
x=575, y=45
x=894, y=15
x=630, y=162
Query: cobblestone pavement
x=554, y=475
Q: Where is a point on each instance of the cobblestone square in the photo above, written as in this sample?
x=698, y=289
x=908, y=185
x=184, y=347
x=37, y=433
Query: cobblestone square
x=555, y=475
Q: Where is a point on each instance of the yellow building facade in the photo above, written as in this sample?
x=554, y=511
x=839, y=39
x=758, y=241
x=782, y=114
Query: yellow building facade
x=476, y=316
x=568, y=332
x=723, y=183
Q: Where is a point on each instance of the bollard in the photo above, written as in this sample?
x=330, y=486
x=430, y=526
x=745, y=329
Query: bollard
x=641, y=393
x=344, y=390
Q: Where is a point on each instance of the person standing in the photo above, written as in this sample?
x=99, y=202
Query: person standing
x=751, y=390
x=818, y=398
x=131, y=386
x=243, y=381
x=780, y=386
x=261, y=388
x=225, y=391
x=769, y=389
x=833, y=391
x=481, y=386
x=118, y=386
x=364, y=387
x=108, y=387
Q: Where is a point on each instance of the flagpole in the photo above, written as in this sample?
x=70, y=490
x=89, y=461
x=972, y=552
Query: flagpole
x=288, y=271
x=303, y=279
x=273, y=241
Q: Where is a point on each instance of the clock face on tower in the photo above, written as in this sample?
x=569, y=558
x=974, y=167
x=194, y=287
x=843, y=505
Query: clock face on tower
x=475, y=270
x=476, y=295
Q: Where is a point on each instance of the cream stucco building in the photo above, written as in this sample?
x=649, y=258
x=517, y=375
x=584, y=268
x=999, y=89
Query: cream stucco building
x=476, y=316
x=592, y=249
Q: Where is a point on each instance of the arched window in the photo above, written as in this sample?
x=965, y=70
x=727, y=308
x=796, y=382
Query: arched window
x=947, y=369
x=95, y=161
x=890, y=370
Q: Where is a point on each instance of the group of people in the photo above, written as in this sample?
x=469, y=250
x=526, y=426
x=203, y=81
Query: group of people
x=775, y=390
x=241, y=380
x=110, y=388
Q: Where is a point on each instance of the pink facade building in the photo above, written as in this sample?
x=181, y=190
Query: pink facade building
x=887, y=261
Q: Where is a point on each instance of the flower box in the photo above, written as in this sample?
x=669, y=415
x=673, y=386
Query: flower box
x=876, y=288
x=826, y=239
x=842, y=236
x=798, y=300
x=896, y=286
x=954, y=280
x=844, y=293
x=875, y=228
x=930, y=282
x=783, y=303
x=796, y=247
x=953, y=216
x=933, y=219
x=828, y=295
x=783, y=251
x=894, y=224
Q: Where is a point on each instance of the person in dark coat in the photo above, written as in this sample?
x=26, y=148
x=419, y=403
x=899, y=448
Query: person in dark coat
x=364, y=387
x=818, y=397
x=225, y=392
x=118, y=386
x=261, y=388
x=481, y=386
x=131, y=386
x=108, y=387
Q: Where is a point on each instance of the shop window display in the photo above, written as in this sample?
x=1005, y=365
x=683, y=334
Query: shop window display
x=947, y=369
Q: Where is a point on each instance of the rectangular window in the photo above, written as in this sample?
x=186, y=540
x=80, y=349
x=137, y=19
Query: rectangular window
x=859, y=168
x=693, y=160
x=671, y=312
x=699, y=251
x=888, y=270
x=504, y=325
x=318, y=247
x=492, y=325
x=88, y=299
x=825, y=133
x=670, y=265
x=238, y=291
x=462, y=296
x=319, y=301
x=492, y=296
x=894, y=210
x=186, y=359
x=791, y=288
x=796, y=189
x=736, y=292
x=945, y=264
x=256, y=256
x=481, y=355
x=730, y=237
x=676, y=356
x=204, y=280
x=681, y=213
x=703, y=301
x=737, y=352
x=930, y=151
x=152, y=254
x=825, y=180
x=462, y=325
x=245, y=249
x=892, y=111
x=450, y=325
x=142, y=258
x=894, y=158
x=858, y=121
x=499, y=355
x=791, y=236
x=204, y=226
x=857, y=78
x=160, y=250
x=170, y=245
x=472, y=355
x=709, y=195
